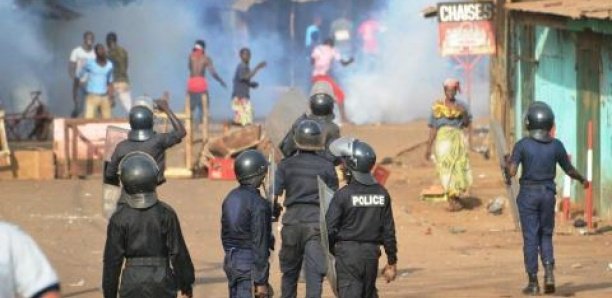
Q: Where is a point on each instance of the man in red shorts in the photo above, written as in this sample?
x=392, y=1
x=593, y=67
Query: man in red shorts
x=197, y=86
x=322, y=58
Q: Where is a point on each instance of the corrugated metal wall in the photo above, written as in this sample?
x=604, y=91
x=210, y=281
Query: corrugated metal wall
x=572, y=72
x=606, y=128
x=524, y=78
x=555, y=83
x=589, y=69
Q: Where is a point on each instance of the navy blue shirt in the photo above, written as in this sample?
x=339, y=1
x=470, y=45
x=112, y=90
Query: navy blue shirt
x=539, y=160
x=246, y=224
x=241, y=81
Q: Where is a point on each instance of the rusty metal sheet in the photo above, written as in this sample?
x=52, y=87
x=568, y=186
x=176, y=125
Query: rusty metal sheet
x=595, y=9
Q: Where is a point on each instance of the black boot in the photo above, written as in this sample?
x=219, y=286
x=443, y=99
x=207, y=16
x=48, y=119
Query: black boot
x=532, y=288
x=549, y=278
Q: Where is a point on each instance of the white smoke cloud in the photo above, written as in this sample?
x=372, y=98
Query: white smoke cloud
x=23, y=57
x=410, y=71
x=157, y=34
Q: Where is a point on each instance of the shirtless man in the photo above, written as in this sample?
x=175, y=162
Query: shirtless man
x=197, y=86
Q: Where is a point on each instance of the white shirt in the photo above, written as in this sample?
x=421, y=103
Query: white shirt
x=80, y=56
x=24, y=269
x=323, y=56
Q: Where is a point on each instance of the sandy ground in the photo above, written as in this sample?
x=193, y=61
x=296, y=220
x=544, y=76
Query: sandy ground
x=465, y=254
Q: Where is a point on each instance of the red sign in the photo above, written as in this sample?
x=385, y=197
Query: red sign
x=466, y=29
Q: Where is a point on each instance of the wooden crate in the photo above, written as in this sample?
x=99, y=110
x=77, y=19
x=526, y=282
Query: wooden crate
x=31, y=164
x=5, y=152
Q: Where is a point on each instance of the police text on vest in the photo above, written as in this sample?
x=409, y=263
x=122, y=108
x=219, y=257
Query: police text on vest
x=368, y=200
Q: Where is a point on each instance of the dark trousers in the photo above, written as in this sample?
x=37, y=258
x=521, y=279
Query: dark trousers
x=536, y=205
x=237, y=266
x=302, y=243
x=357, y=269
x=197, y=108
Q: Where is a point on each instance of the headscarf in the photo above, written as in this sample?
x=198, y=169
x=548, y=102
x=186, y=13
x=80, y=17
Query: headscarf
x=452, y=83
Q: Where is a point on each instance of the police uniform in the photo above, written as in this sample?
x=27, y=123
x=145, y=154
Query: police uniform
x=359, y=221
x=142, y=138
x=146, y=233
x=155, y=146
x=296, y=176
x=331, y=130
x=536, y=198
x=246, y=237
x=539, y=154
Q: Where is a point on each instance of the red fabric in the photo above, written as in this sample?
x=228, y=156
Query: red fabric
x=197, y=85
x=338, y=93
x=368, y=31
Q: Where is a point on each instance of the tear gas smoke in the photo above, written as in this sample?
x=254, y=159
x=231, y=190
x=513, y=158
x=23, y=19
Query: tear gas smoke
x=158, y=36
x=409, y=73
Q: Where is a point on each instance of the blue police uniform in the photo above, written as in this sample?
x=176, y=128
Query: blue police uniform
x=301, y=235
x=536, y=198
x=246, y=234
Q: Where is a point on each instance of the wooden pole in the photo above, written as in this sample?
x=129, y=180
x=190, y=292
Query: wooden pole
x=589, y=191
x=189, y=137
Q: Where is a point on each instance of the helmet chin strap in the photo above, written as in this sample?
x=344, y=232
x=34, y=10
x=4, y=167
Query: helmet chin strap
x=348, y=175
x=255, y=181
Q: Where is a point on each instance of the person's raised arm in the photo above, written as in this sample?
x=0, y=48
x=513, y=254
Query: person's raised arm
x=178, y=126
x=248, y=75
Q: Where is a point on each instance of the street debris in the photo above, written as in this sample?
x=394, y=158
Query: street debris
x=79, y=283
x=496, y=206
x=457, y=230
x=580, y=223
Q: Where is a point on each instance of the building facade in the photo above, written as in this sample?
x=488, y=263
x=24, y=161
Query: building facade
x=560, y=52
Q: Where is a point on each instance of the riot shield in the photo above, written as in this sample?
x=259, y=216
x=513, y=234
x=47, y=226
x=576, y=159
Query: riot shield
x=289, y=107
x=271, y=196
x=325, y=196
x=111, y=193
x=511, y=185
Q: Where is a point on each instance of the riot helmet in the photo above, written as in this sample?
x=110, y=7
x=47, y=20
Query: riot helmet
x=250, y=168
x=359, y=158
x=141, y=124
x=322, y=104
x=138, y=174
x=539, y=121
x=309, y=136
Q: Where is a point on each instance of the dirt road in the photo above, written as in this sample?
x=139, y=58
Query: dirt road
x=465, y=254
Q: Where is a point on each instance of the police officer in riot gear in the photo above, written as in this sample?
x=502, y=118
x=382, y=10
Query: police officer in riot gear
x=539, y=154
x=143, y=138
x=359, y=221
x=296, y=177
x=246, y=229
x=321, y=111
x=146, y=233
